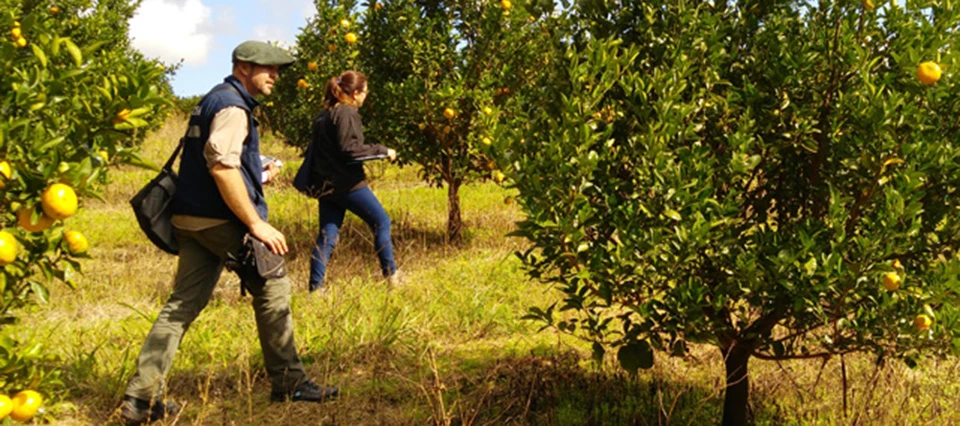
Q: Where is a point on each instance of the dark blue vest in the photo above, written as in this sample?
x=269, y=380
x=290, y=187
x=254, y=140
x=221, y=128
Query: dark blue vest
x=197, y=193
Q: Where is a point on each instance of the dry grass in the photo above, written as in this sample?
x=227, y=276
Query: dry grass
x=446, y=348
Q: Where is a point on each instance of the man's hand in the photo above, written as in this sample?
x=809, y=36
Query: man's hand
x=272, y=170
x=270, y=236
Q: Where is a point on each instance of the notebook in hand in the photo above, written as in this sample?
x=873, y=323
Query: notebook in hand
x=367, y=158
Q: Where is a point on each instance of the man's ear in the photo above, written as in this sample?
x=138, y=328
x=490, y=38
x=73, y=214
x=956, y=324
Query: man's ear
x=244, y=68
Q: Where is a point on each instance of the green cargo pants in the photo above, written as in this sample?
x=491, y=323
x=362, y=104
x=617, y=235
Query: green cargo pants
x=202, y=256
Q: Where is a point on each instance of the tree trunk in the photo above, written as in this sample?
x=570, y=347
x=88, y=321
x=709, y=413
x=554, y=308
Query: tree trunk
x=454, y=220
x=738, y=386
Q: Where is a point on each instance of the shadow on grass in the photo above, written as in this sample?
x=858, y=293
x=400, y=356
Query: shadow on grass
x=356, y=239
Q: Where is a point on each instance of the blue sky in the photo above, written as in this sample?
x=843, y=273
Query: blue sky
x=203, y=33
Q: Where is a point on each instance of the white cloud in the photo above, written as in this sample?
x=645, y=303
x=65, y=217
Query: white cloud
x=173, y=30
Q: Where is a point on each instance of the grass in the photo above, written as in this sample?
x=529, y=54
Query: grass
x=448, y=347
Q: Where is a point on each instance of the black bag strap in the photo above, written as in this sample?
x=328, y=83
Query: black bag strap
x=168, y=166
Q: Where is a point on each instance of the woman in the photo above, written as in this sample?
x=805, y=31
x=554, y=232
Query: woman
x=337, y=168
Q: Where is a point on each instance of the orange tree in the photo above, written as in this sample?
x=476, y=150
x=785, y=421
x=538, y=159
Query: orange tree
x=777, y=179
x=75, y=97
x=442, y=72
x=322, y=51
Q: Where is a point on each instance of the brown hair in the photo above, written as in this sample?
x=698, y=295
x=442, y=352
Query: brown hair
x=340, y=89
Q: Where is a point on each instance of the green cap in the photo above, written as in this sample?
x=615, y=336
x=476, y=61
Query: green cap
x=260, y=53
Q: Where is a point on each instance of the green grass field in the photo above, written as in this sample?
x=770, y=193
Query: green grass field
x=447, y=347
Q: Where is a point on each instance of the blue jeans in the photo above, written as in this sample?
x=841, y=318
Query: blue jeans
x=333, y=207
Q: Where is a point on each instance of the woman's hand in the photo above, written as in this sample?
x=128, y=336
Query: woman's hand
x=391, y=154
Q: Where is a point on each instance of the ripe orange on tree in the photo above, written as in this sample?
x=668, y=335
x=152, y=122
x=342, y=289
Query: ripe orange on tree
x=121, y=116
x=312, y=66
x=505, y=4
x=449, y=113
x=59, y=201
x=891, y=281
x=345, y=23
x=350, y=38
x=54, y=10
x=25, y=405
x=6, y=406
x=24, y=219
x=22, y=42
x=8, y=248
x=16, y=32
x=301, y=83
x=76, y=242
x=922, y=322
x=928, y=72
x=6, y=171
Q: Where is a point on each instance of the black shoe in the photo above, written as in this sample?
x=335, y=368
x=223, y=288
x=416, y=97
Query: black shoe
x=306, y=391
x=136, y=411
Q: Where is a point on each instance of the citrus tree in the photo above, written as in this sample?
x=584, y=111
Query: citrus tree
x=776, y=179
x=75, y=98
x=441, y=73
x=326, y=46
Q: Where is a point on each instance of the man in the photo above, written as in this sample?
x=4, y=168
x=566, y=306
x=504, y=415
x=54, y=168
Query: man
x=220, y=199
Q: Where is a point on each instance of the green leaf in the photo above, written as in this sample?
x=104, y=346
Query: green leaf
x=598, y=352
x=636, y=355
x=38, y=52
x=74, y=51
x=672, y=214
x=40, y=290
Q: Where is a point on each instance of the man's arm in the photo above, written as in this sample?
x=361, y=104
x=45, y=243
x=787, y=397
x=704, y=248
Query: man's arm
x=234, y=193
x=228, y=130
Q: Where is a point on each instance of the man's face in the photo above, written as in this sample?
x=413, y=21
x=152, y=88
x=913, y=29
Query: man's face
x=259, y=79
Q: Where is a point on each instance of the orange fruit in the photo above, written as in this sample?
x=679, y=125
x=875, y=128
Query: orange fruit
x=121, y=116
x=6, y=171
x=312, y=66
x=16, y=32
x=928, y=72
x=377, y=6
x=76, y=242
x=891, y=281
x=922, y=322
x=54, y=10
x=487, y=110
x=449, y=113
x=25, y=405
x=59, y=201
x=22, y=42
x=505, y=4
x=24, y=217
x=351, y=38
x=332, y=48
x=486, y=141
x=8, y=248
x=6, y=406
x=446, y=129
x=301, y=83
x=498, y=176
x=345, y=23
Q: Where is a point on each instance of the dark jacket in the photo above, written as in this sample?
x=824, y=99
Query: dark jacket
x=339, y=150
x=197, y=193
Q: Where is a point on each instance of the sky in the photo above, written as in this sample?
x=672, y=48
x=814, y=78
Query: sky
x=203, y=33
